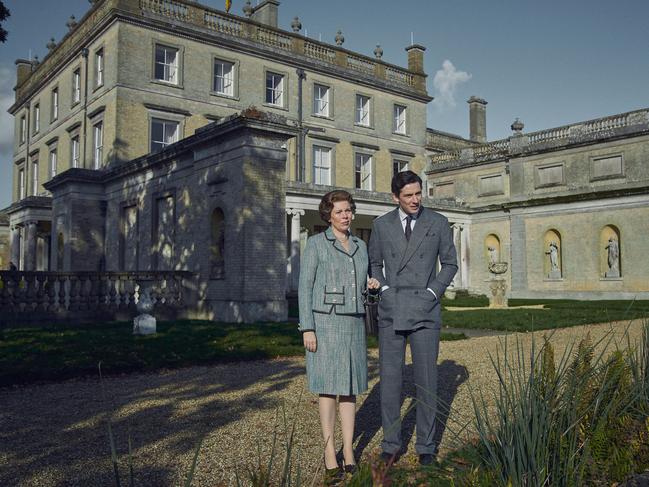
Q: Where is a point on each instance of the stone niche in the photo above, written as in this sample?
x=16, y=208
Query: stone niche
x=610, y=255
x=492, y=249
x=552, y=255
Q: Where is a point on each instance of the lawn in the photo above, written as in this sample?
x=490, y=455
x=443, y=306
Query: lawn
x=556, y=314
x=61, y=352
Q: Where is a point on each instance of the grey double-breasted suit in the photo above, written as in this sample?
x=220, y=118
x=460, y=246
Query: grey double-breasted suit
x=410, y=311
x=329, y=295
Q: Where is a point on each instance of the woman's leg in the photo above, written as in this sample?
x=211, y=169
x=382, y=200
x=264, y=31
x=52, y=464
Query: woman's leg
x=327, y=407
x=347, y=409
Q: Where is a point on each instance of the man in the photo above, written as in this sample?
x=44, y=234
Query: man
x=404, y=248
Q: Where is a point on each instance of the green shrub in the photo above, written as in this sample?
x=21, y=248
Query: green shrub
x=579, y=420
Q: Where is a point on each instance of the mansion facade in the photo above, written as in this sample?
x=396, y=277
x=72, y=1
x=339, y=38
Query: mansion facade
x=135, y=78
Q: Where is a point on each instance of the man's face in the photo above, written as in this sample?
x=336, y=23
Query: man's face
x=409, y=198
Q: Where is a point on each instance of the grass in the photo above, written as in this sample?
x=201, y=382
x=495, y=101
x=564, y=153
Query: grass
x=61, y=352
x=557, y=314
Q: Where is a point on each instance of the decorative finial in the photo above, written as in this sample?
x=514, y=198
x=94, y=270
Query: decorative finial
x=36, y=61
x=517, y=126
x=51, y=45
x=340, y=38
x=378, y=51
x=71, y=23
x=247, y=9
x=296, y=25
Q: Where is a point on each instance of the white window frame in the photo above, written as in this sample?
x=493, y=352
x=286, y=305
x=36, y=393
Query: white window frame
x=55, y=104
x=363, y=163
x=99, y=67
x=35, y=176
x=155, y=146
x=75, y=148
x=53, y=161
x=321, y=103
x=21, y=183
x=275, y=89
x=227, y=79
x=400, y=119
x=97, y=144
x=37, y=118
x=321, y=166
x=76, y=86
x=363, y=110
x=170, y=65
x=23, y=129
x=403, y=165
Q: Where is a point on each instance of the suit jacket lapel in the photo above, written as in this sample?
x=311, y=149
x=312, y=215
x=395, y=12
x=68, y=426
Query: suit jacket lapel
x=400, y=239
x=422, y=228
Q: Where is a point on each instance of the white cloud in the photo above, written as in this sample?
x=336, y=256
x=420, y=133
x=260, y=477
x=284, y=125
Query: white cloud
x=7, y=82
x=446, y=82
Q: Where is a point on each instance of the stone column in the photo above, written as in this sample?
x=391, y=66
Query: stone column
x=465, y=256
x=30, y=249
x=15, y=245
x=457, y=241
x=293, y=263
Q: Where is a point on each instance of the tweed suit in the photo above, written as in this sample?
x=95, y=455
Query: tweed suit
x=329, y=295
x=409, y=311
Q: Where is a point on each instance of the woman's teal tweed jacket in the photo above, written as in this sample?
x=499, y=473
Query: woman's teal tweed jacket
x=330, y=277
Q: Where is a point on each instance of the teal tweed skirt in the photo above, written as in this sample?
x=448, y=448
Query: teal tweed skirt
x=339, y=364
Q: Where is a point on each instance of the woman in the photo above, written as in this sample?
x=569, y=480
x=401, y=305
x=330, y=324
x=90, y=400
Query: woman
x=333, y=274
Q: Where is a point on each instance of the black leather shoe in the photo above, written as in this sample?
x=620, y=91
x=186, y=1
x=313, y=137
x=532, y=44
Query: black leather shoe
x=426, y=459
x=350, y=468
x=389, y=457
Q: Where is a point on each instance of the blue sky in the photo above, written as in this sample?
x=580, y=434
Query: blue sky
x=549, y=62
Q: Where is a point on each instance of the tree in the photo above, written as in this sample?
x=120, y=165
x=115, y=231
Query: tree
x=4, y=15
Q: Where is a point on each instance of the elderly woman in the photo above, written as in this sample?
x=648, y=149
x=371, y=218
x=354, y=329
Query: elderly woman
x=333, y=274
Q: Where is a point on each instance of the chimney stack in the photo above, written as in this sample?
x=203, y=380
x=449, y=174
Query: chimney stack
x=416, y=58
x=23, y=71
x=266, y=13
x=477, y=119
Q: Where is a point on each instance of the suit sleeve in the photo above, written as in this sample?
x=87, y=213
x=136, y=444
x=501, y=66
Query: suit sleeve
x=447, y=259
x=308, y=268
x=376, y=256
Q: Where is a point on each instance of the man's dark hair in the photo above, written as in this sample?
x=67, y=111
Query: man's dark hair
x=400, y=179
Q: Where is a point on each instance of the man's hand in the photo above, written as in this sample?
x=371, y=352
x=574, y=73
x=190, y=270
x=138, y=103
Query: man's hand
x=373, y=283
x=310, y=341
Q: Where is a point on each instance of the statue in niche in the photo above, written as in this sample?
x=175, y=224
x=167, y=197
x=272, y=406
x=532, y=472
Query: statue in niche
x=493, y=254
x=613, y=258
x=553, y=252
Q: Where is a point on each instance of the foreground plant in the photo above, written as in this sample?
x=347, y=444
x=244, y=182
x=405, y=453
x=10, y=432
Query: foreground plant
x=579, y=420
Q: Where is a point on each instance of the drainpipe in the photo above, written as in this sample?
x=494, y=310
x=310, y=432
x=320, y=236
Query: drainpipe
x=300, y=164
x=84, y=55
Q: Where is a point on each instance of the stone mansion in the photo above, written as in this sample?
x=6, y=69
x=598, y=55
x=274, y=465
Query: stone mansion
x=112, y=122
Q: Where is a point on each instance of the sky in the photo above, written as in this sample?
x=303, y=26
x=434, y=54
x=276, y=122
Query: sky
x=549, y=62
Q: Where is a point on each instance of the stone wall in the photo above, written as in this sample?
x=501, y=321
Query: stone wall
x=155, y=213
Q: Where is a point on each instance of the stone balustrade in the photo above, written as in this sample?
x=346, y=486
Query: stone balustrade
x=577, y=133
x=192, y=13
x=40, y=297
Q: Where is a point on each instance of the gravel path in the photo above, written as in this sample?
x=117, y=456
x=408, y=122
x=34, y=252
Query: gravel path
x=56, y=435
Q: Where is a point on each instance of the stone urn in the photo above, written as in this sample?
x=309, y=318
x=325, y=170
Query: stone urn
x=498, y=285
x=144, y=323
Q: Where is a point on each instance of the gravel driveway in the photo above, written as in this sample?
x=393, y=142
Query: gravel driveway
x=55, y=434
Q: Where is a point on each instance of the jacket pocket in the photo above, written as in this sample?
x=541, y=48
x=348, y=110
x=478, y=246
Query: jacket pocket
x=334, y=295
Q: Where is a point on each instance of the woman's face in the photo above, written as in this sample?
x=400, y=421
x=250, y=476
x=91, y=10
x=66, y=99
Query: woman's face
x=341, y=216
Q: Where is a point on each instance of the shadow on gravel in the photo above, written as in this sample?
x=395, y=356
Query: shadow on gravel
x=62, y=428
x=450, y=375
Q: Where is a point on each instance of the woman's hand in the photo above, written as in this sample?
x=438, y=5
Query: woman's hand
x=373, y=283
x=310, y=341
